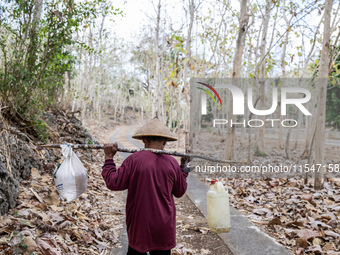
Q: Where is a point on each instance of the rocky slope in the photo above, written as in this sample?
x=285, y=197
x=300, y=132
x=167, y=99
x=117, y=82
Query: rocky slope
x=19, y=152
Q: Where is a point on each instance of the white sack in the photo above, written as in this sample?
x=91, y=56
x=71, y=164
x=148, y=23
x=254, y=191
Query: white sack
x=71, y=176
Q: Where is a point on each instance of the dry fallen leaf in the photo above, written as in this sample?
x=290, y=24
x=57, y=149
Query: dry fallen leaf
x=52, y=199
x=56, y=208
x=294, y=224
x=99, y=233
x=47, y=247
x=275, y=221
x=333, y=253
x=316, y=249
x=250, y=198
x=204, y=231
x=24, y=213
x=40, y=214
x=81, y=216
x=317, y=241
x=318, y=224
x=101, y=245
x=262, y=211
x=56, y=217
x=299, y=251
x=299, y=242
x=307, y=234
x=306, y=196
x=30, y=244
x=328, y=202
x=88, y=239
x=332, y=234
x=35, y=173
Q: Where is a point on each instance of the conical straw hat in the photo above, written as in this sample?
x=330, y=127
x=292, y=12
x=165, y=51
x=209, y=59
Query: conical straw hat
x=154, y=128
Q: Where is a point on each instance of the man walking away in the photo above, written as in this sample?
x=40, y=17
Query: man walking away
x=151, y=180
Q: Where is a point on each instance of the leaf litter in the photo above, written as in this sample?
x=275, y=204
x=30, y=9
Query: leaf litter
x=302, y=219
x=42, y=223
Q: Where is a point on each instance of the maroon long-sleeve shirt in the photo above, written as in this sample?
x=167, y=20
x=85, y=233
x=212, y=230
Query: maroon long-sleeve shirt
x=151, y=180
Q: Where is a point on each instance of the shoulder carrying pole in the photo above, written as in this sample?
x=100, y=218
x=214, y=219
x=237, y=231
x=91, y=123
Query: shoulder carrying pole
x=173, y=153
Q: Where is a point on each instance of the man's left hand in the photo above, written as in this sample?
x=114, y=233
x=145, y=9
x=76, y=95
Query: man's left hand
x=110, y=150
x=183, y=159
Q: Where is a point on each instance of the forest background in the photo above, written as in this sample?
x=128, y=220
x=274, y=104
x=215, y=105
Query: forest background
x=75, y=55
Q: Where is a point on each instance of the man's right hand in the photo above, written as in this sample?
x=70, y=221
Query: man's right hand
x=110, y=150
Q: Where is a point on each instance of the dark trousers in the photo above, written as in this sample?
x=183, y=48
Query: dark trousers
x=134, y=252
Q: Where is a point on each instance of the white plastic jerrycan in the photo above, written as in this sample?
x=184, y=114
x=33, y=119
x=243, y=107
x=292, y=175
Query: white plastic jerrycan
x=218, y=208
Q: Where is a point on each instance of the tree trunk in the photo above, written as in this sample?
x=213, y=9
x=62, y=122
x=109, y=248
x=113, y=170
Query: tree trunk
x=242, y=32
x=287, y=142
x=311, y=130
x=281, y=133
x=262, y=74
x=283, y=66
x=322, y=85
x=32, y=47
x=156, y=100
x=187, y=64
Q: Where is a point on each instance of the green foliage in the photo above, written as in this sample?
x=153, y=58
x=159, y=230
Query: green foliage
x=41, y=129
x=35, y=50
x=173, y=123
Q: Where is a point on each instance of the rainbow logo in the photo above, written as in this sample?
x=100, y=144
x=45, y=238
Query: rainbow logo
x=209, y=93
